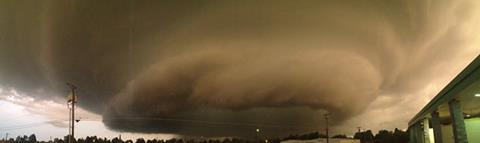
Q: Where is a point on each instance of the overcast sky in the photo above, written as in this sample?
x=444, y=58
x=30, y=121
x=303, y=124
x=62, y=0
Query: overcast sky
x=224, y=68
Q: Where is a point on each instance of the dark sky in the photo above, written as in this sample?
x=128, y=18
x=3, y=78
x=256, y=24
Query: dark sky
x=223, y=68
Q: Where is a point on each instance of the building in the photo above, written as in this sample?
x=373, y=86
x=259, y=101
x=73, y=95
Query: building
x=324, y=140
x=452, y=116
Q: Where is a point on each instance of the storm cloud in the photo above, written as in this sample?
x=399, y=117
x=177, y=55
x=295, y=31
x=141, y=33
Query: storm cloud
x=225, y=68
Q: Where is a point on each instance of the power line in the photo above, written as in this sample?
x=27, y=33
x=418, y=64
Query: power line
x=29, y=125
x=35, y=124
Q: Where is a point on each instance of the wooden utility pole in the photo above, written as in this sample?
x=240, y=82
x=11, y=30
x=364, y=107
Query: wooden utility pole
x=326, y=129
x=72, y=100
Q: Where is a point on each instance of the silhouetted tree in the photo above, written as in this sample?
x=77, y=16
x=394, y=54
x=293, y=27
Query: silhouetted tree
x=32, y=138
x=57, y=140
x=67, y=139
x=80, y=140
x=140, y=140
x=400, y=136
x=116, y=140
x=384, y=136
x=308, y=136
x=11, y=140
x=19, y=139
x=340, y=136
x=364, y=137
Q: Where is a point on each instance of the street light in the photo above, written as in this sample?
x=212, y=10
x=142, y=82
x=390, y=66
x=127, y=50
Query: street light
x=257, y=135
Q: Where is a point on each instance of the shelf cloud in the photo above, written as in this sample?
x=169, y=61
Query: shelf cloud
x=225, y=68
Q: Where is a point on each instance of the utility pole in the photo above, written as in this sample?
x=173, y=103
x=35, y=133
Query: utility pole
x=326, y=129
x=72, y=100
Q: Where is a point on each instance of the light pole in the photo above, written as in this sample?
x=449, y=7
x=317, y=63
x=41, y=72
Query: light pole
x=257, y=137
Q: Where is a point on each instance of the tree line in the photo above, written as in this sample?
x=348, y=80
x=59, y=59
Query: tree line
x=383, y=136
